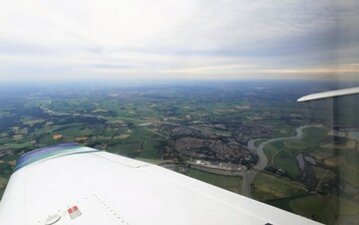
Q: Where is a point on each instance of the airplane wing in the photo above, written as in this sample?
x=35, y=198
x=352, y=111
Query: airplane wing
x=71, y=184
x=329, y=94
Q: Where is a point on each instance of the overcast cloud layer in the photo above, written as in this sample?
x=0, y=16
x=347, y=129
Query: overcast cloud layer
x=171, y=39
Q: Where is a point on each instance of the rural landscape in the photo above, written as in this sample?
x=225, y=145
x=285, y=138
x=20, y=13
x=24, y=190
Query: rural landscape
x=250, y=137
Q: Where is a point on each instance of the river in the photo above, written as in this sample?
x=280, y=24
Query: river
x=248, y=176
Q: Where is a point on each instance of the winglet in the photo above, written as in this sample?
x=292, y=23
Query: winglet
x=329, y=94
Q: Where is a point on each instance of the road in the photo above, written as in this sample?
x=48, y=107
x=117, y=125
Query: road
x=249, y=175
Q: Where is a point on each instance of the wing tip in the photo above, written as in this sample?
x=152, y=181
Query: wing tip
x=306, y=98
x=301, y=99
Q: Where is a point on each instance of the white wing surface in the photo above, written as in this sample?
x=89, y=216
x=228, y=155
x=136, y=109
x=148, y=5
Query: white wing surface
x=329, y=94
x=70, y=184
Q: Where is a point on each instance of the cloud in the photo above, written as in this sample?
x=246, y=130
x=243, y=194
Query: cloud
x=200, y=38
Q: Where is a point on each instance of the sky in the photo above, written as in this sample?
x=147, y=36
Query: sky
x=178, y=39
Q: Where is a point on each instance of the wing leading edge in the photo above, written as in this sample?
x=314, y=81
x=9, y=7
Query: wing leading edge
x=329, y=94
x=80, y=185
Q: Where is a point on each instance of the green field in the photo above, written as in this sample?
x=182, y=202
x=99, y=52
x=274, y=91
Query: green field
x=269, y=187
x=282, y=154
x=152, y=148
x=313, y=136
x=76, y=131
x=283, y=158
x=139, y=143
x=16, y=146
x=227, y=182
